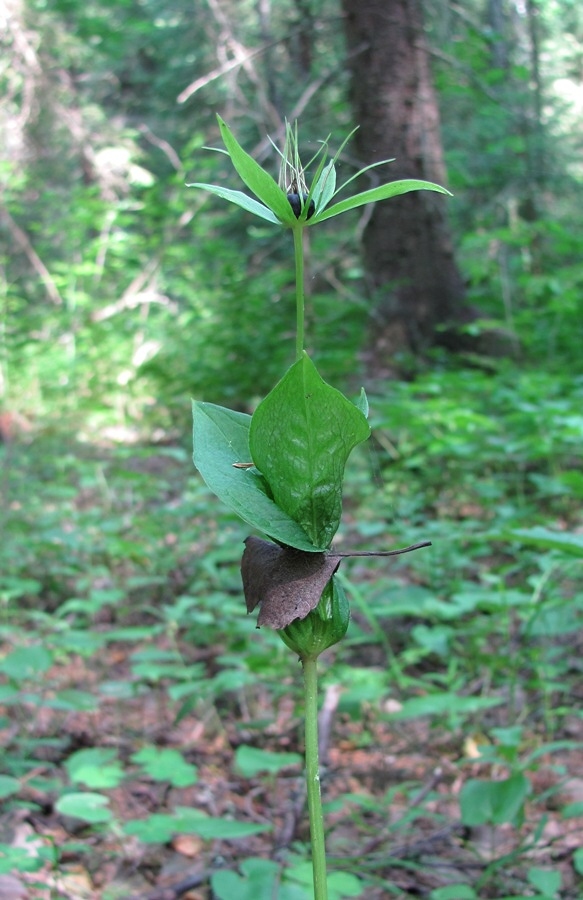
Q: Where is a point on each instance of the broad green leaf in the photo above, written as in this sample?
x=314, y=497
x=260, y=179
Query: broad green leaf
x=8, y=786
x=339, y=884
x=573, y=810
x=160, y=827
x=257, y=179
x=194, y=821
x=221, y=438
x=260, y=880
x=26, y=662
x=546, y=881
x=494, y=802
x=72, y=699
x=156, y=829
x=384, y=192
x=166, y=764
x=240, y=199
x=250, y=761
x=9, y=694
x=226, y=884
x=96, y=767
x=88, y=807
x=300, y=438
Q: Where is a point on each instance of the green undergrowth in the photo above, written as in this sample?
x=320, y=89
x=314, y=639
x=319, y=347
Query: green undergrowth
x=119, y=564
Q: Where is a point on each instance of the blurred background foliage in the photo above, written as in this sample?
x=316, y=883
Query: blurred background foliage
x=123, y=293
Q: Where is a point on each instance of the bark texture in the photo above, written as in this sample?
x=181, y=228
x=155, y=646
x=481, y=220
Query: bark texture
x=415, y=286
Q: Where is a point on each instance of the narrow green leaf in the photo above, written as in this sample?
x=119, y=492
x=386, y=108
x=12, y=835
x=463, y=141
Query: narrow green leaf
x=257, y=179
x=323, y=190
x=384, y=192
x=443, y=704
x=300, y=437
x=374, y=165
x=221, y=438
x=194, y=821
x=240, y=199
x=361, y=403
x=547, y=539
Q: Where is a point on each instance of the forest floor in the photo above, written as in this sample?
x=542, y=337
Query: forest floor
x=412, y=846
x=81, y=676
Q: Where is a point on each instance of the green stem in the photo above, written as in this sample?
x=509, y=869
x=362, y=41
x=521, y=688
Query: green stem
x=310, y=667
x=299, y=258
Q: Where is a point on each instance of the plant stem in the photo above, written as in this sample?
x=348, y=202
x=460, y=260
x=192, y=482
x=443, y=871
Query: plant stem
x=299, y=258
x=310, y=667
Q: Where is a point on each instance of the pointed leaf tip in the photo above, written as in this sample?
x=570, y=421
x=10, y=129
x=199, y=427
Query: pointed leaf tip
x=255, y=177
x=383, y=192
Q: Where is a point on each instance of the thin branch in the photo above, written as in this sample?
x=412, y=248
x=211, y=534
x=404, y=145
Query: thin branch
x=164, y=146
x=23, y=241
x=139, y=292
x=381, y=552
x=263, y=146
x=131, y=301
x=201, y=82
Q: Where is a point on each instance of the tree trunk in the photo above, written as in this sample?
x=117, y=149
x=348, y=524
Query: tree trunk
x=416, y=289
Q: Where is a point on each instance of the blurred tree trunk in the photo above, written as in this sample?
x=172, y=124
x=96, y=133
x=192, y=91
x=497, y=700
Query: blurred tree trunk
x=497, y=22
x=415, y=286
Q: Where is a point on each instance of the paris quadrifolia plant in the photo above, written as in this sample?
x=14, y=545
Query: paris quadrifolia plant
x=282, y=469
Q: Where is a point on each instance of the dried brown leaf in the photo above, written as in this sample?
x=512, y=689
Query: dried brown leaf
x=288, y=583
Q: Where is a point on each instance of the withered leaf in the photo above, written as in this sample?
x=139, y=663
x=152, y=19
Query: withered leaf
x=288, y=583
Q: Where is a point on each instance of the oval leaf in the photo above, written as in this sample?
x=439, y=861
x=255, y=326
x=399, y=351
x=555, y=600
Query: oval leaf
x=250, y=761
x=300, y=438
x=88, y=807
x=221, y=441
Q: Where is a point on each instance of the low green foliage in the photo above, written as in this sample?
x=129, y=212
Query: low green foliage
x=513, y=622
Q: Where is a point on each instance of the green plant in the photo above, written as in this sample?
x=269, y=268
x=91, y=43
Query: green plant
x=282, y=469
